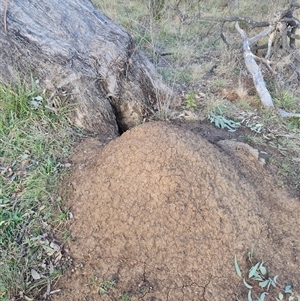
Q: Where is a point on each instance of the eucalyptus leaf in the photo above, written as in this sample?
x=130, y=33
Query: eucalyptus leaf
x=291, y=298
x=280, y=296
x=237, y=268
x=287, y=289
x=269, y=284
x=246, y=284
x=35, y=104
x=257, y=277
x=273, y=281
x=262, y=269
x=35, y=275
x=249, y=296
x=38, y=98
x=262, y=296
x=264, y=283
x=253, y=270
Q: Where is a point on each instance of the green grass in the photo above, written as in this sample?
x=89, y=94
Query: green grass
x=286, y=100
x=34, y=137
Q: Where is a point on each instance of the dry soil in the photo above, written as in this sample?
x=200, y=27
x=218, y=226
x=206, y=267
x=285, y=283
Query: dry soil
x=160, y=212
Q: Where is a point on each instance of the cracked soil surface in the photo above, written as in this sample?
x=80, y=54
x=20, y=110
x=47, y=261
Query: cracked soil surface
x=160, y=212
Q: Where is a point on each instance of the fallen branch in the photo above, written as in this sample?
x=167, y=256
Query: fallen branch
x=283, y=113
x=255, y=71
x=253, y=24
x=5, y=3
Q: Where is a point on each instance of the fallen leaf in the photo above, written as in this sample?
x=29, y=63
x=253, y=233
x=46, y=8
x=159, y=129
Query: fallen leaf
x=35, y=275
x=54, y=246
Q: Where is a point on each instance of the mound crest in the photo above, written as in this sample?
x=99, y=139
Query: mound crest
x=160, y=213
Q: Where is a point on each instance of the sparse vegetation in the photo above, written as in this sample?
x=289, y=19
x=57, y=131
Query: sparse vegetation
x=106, y=286
x=286, y=100
x=35, y=138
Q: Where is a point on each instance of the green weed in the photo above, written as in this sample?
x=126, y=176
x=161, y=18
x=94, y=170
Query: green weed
x=190, y=101
x=125, y=297
x=35, y=137
x=106, y=286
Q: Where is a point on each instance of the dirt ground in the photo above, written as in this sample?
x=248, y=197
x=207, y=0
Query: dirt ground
x=160, y=212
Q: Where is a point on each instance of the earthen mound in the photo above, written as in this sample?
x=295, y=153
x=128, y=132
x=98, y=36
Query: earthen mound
x=160, y=213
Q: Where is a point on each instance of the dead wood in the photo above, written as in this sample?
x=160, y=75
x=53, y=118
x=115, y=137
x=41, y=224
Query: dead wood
x=257, y=76
x=281, y=32
x=255, y=71
x=72, y=47
x=252, y=22
x=5, y=6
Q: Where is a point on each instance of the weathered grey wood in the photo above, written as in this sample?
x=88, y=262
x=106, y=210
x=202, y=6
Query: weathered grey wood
x=255, y=71
x=71, y=46
x=257, y=76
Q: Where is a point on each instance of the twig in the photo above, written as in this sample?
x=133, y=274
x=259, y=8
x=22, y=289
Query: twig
x=5, y=3
x=248, y=20
x=177, y=3
x=266, y=62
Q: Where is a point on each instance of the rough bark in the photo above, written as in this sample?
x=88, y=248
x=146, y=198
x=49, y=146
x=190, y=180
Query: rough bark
x=71, y=46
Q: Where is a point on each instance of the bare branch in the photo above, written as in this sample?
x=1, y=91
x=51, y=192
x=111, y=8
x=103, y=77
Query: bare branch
x=266, y=62
x=270, y=42
x=5, y=3
x=294, y=4
x=255, y=71
x=283, y=113
x=253, y=23
x=257, y=77
x=256, y=38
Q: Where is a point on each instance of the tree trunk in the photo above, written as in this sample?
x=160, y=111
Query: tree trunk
x=71, y=47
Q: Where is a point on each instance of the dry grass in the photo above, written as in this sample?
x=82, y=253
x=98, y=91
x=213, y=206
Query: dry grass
x=184, y=44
